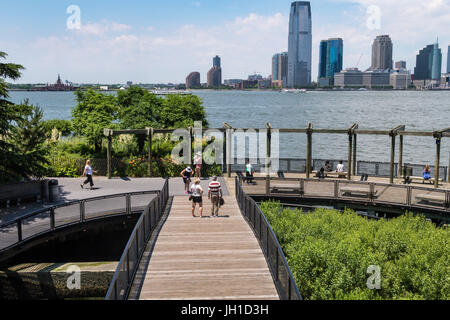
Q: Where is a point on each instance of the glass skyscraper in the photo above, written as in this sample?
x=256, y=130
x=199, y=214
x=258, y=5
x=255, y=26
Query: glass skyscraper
x=300, y=45
x=279, y=67
x=331, y=57
x=428, y=63
x=448, y=60
x=382, y=53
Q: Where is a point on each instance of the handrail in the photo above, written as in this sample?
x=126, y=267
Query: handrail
x=281, y=274
x=372, y=195
x=122, y=280
x=80, y=214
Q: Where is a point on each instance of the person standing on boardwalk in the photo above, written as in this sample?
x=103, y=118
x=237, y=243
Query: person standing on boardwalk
x=215, y=194
x=198, y=164
x=340, y=167
x=197, y=193
x=186, y=174
x=88, y=173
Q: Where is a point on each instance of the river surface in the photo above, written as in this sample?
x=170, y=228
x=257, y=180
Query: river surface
x=384, y=110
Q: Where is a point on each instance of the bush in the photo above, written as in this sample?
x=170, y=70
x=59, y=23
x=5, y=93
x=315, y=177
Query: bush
x=63, y=126
x=329, y=253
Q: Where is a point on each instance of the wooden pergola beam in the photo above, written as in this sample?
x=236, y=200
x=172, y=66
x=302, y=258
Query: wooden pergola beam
x=228, y=140
x=309, y=133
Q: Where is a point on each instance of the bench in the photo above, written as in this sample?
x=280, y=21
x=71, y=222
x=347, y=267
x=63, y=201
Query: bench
x=421, y=179
x=431, y=198
x=360, y=191
x=285, y=188
x=332, y=174
x=244, y=178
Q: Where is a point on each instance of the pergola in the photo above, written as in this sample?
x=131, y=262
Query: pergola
x=352, y=133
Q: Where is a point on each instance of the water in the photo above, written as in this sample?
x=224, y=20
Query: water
x=370, y=109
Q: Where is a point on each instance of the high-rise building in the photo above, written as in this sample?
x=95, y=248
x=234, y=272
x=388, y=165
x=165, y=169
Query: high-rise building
x=193, y=80
x=280, y=67
x=428, y=63
x=448, y=60
x=382, y=53
x=215, y=74
x=300, y=45
x=399, y=65
x=331, y=59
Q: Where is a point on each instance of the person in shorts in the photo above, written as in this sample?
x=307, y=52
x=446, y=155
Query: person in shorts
x=197, y=193
x=186, y=174
x=214, y=194
x=198, y=165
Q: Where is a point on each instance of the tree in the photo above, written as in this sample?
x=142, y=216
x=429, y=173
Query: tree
x=138, y=109
x=10, y=113
x=180, y=111
x=63, y=126
x=29, y=137
x=93, y=113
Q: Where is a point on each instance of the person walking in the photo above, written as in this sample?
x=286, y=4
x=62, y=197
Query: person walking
x=215, y=194
x=198, y=164
x=186, y=174
x=197, y=193
x=88, y=173
x=249, y=172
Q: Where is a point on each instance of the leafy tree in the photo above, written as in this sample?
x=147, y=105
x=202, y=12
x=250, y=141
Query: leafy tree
x=10, y=113
x=64, y=126
x=180, y=111
x=29, y=137
x=138, y=109
x=93, y=113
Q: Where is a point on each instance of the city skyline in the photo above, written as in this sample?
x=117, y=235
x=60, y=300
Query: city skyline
x=121, y=43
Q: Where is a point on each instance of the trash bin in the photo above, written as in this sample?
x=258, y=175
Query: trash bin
x=53, y=190
x=407, y=171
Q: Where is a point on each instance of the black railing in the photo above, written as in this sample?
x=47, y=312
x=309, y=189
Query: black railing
x=281, y=274
x=126, y=270
x=36, y=223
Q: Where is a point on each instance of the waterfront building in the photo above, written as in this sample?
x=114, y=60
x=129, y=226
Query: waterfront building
x=445, y=80
x=248, y=84
x=382, y=53
x=428, y=66
x=264, y=83
x=400, y=79
x=376, y=79
x=448, y=60
x=350, y=77
x=399, y=65
x=300, y=45
x=330, y=60
x=231, y=82
x=214, y=77
x=280, y=68
x=193, y=80
x=58, y=86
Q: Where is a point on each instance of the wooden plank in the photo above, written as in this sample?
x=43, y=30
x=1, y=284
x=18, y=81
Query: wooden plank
x=207, y=259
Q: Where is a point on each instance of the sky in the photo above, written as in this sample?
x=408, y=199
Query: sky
x=163, y=41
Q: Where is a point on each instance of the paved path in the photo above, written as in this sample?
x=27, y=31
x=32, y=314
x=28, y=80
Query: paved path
x=206, y=259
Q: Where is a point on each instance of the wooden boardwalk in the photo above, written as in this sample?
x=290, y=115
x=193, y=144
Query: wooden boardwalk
x=206, y=259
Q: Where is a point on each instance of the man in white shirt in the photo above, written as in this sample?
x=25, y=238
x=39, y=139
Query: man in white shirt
x=340, y=167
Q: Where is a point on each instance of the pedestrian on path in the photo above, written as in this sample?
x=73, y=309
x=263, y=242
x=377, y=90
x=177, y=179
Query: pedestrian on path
x=197, y=193
x=88, y=173
x=198, y=164
x=215, y=194
x=186, y=174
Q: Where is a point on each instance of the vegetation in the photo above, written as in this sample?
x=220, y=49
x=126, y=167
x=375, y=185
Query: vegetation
x=329, y=253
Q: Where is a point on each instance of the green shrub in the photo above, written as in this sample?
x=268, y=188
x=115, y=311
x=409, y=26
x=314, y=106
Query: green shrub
x=329, y=253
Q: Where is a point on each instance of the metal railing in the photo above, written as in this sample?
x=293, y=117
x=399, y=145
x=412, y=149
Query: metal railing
x=36, y=223
x=281, y=274
x=372, y=168
x=132, y=254
x=356, y=191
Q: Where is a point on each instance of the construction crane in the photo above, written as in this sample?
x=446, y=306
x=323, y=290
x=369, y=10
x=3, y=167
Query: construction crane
x=359, y=60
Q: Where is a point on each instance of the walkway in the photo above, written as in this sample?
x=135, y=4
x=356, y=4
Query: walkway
x=205, y=259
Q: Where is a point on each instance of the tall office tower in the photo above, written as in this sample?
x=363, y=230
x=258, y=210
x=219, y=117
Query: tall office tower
x=331, y=58
x=193, y=80
x=382, y=53
x=279, y=68
x=300, y=45
x=216, y=61
x=215, y=74
x=428, y=63
x=448, y=60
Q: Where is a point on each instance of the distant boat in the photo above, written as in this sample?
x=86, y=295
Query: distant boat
x=362, y=89
x=294, y=90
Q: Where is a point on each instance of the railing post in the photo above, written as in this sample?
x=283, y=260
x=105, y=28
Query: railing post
x=82, y=211
x=438, y=158
x=19, y=230
x=408, y=195
x=309, y=150
x=336, y=189
x=128, y=203
x=52, y=218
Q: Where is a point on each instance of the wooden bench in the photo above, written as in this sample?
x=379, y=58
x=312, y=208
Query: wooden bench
x=285, y=188
x=431, y=198
x=421, y=179
x=361, y=191
x=332, y=174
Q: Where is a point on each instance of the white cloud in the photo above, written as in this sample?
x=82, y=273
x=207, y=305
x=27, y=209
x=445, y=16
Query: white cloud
x=101, y=28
